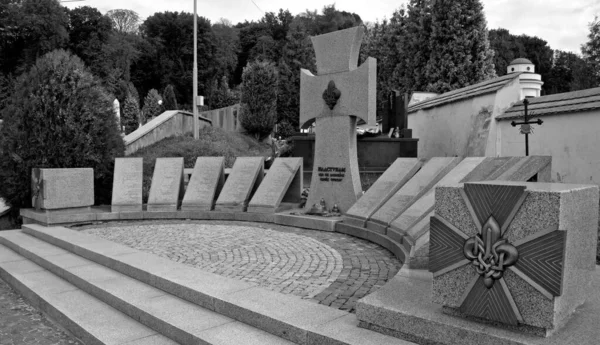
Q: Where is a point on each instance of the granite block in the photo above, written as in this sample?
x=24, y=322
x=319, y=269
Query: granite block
x=544, y=285
x=166, y=190
x=384, y=188
x=418, y=230
x=54, y=189
x=527, y=168
x=205, y=184
x=283, y=183
x=254, y=217
x=376, y=226
x=127, y=185
x=359, y=222
x=307, y=222
x=432, y=172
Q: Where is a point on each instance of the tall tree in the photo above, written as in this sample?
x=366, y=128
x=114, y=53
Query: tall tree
x=460, y=51
x=416, y=46
x=569, y=73
x=89, y=31
x=591, y=49
x=126, y=21
x=170, y=101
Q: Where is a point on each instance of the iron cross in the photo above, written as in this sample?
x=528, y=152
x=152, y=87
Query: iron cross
x=526, y=126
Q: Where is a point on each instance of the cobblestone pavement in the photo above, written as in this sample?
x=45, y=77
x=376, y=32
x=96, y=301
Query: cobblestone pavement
x=22, y=324
x=331, y=268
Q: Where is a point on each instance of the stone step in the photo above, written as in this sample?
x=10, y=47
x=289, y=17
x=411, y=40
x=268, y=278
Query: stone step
x=180, y=320
x=86, y=317
x=287, y=316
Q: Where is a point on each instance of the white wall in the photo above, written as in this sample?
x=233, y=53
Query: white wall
x=572, y=139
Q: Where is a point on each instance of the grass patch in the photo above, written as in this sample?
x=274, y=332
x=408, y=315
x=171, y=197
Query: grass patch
x=213, y=142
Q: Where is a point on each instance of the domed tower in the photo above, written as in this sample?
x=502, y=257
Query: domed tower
x=531, y=82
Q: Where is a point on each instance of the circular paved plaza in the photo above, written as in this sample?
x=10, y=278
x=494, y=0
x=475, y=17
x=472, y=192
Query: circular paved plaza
x=331, y=268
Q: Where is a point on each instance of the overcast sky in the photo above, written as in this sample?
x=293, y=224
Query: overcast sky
x=563, y=24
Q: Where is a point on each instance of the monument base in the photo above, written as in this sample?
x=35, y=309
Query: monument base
x=402, y=308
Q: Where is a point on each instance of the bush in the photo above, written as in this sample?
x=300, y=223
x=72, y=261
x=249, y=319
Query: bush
x=170, y=101
x=57, y=117
x=258, y=111
x=152, y=106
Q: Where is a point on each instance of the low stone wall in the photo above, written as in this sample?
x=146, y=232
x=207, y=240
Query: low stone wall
x=168, y=124
x=225, y=118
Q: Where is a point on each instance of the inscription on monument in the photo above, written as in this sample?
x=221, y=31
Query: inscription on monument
x=127, y=185
x=166, y=184
x=331, y=174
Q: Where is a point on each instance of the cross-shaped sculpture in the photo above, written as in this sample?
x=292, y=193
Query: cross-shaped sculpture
x=339, y=94
x=526, y=126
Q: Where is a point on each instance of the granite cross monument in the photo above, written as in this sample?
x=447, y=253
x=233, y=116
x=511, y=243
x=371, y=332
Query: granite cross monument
x=340, y=93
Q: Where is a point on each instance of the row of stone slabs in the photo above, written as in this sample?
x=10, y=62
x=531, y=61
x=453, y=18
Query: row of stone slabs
x=401, y=202
x=246, y=189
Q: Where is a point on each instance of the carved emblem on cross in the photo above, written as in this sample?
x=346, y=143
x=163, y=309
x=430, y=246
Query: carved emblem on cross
x=340, y=93
x=537, y=259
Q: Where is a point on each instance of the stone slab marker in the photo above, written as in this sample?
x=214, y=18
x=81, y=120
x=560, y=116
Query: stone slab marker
x=127, y=185
x=281, y=189
x=167, y=185
x=339, y=93
x=419, y=184
x=205, y=184
x=519, y=254
x=53, y=189
x=245, y=177
x=424, y=205
x=382, y=190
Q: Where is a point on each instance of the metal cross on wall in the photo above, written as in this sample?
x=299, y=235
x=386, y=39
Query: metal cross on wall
x=526, y=126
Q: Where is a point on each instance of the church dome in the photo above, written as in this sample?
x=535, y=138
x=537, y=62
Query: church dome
x=521, y=61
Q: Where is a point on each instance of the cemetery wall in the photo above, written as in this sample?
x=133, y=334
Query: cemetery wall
x=570, y=138
x=463, y=127
x=168, y=124
x=225, y=118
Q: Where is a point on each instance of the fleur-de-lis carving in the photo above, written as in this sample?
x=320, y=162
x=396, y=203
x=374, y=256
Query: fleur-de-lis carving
x=331, y=95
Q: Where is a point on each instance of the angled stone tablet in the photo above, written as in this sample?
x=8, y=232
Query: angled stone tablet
x=281, y=188
x=246, y=174
x=205, y=184
x=528, y=167
x=127, y=185
x=167, y=185
x=384, y=188
x=419, y=184
x=62, y=188
x=424, y=205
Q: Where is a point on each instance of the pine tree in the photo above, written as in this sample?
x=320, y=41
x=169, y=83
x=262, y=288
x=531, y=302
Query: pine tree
x=591, y=49
x=459, y=46
x=131, y=113
x=415, y=46
x=170, y=101
x=152, y=106
x=259, y=99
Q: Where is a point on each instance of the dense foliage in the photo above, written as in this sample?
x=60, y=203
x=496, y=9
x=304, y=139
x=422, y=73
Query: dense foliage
x=258, y=111
x=59, y=116
x=424, y=45
x=130, y=116
x=152, y=106
x=169, y=99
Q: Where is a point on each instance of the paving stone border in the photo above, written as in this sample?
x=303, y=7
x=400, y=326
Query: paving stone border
x=336, y=278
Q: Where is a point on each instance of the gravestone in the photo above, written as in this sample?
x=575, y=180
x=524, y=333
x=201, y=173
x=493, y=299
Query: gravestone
x=336, y=96
x=281, y=189
x=245, y=177
x=53, y=189
x=519, y=254
x=422, y=181
x=205, y=184
x=382, y=190
x=167, y=185
x=127, y=185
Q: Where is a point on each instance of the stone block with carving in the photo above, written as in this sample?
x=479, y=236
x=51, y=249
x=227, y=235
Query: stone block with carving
x=53, y=189
x=517, y=255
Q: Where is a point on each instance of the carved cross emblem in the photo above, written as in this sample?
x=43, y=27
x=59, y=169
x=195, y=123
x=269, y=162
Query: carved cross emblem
x=331, y=95
x=537, y=259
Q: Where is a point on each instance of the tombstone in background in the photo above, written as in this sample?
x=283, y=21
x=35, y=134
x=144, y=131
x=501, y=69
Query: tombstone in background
x=281, y=189
x=205, y=184
x=336, y=96
x=245, y=177
x=167, y=185
x=127, y=185
x=518, y=254
x=117, y=110
x=53, y=189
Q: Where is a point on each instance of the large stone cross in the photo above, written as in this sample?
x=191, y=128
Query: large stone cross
x=339, y=94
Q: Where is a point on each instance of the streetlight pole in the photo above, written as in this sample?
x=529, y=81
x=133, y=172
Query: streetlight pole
x=195, y=72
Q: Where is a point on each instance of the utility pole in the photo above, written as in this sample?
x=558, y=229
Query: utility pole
x=195, y=72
